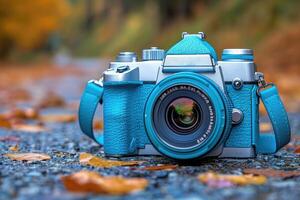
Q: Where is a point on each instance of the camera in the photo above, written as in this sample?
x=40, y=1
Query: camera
x=184, y=103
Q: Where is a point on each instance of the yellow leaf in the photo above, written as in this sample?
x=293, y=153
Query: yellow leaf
x=224, y=180
x=273, y=172
x=14, y=148
x=265, y=127
x=29, y=128
x=89, y=159
x=20, y=114
x=92, y=182
x=160, y=167
x=28, y=156
x=66, y=118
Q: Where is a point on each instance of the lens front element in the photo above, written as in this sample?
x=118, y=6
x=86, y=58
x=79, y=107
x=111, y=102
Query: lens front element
x=183, y=115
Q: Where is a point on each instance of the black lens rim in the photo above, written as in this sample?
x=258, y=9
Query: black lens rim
x=194, y=138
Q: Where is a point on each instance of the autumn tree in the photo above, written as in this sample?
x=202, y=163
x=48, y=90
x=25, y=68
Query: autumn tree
x=26, y=25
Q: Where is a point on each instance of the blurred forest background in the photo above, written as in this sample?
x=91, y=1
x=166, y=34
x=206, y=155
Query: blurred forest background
x=36, y=31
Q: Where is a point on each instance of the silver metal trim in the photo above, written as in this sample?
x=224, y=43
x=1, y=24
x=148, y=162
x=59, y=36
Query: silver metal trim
x=235, y=152
x=153, y=53
x=148, y=150
x=217, y=76
x=237, y=83
x=237, y=116
x=126, y=56
x=238, y=51
x=130, y=75
x=201, y=35
x=198, y=60
x=243, y=70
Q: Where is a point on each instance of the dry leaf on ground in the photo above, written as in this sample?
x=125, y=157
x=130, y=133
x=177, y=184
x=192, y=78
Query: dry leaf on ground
x=4, y=123
x=14, y=148
x=28, y=156
x=265, y=127
x=273, y=172
x=18, y=114
x=98, y=125
x=29, y=128
x=89, y=159
x=213, y=179
x=62, y=118
x=51, y=100
x=159, y=167
x=92, y=182
x=297, y=150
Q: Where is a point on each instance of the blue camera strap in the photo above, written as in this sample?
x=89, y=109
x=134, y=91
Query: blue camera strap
x=90, y=99
x=271, y=142
x=267, y=142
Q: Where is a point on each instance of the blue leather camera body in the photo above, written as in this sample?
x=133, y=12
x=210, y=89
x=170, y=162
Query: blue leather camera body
x=184, y=104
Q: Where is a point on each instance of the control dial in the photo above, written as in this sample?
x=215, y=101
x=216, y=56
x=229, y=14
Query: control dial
x=153, y=53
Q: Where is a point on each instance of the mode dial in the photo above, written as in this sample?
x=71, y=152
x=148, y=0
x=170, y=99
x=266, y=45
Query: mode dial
x=153, y=53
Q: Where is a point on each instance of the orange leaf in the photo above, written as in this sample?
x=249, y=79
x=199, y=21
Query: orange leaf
x=28, y=156
x=4, y=123
x=66, y=118
x=160, y=167
x=14, y=148
x=265, y=127
x=273, y=172
x=52, y=100
x=98, y=125
x=89, y=159
x=224, y=180
x=92, y=182
x=29, y=128
x=297, y=150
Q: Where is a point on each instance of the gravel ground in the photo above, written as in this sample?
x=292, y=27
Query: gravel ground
x=41, y=180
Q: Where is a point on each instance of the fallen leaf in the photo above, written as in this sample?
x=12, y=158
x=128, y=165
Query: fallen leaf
x=159, y=167
x=98, y=125
x=51, y=100
x=20, y=94
x=92, y=182
x=14, y=148
x=10, y=138
x=273, y=172
x=29, y=113
x=29, y=128
x=17, y=113
x=213, y=179
x=297, y=150
x=89, y=159
x=28, y=156
x=62, y=118
x=265, y=127
x=4, y=123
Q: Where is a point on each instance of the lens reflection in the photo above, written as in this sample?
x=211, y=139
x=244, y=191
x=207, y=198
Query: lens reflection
x=183, y=114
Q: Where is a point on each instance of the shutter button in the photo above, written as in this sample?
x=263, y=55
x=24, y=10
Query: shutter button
x=122, y=69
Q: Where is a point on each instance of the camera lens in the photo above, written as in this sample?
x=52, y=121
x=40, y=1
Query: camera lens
x=183, y=115
x=187, y=115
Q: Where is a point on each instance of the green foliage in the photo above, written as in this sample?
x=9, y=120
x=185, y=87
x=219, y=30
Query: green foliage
x=104, y=27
